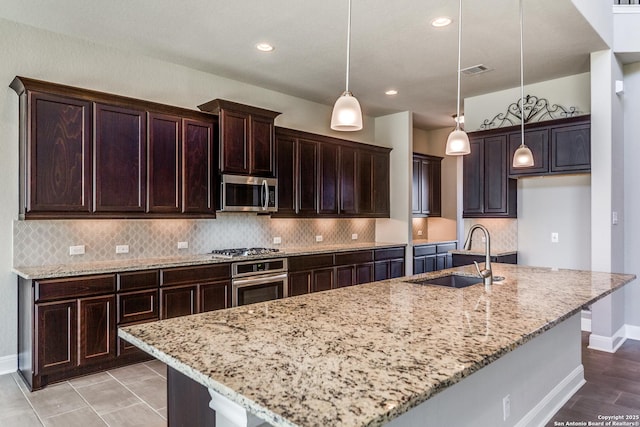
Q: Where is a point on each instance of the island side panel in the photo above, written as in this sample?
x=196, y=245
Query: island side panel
x=539, y=377
x=187, y=402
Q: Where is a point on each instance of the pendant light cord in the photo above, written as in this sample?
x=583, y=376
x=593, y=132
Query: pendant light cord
x=521, y=77
x=459, y=53
x=348, y=46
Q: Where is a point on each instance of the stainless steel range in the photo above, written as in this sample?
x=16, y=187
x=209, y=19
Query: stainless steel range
x=255, y=280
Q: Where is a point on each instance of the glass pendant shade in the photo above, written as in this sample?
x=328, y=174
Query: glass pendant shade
x=523, y=157
x=458, y=143
x=347, y=115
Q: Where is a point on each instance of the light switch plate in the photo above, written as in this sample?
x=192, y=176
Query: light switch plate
x=183, y=245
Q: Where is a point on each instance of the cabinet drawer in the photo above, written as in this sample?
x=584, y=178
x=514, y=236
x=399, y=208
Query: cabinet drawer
x=137, y=280
x=48, y=290
x=194, y=275
x=391, y=253
x=137, y=306
x=424, y=250
x=310, y=262
x=446, y=247
x=354, y=257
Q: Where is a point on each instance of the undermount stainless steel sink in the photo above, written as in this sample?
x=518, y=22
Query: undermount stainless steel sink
x=452, y=281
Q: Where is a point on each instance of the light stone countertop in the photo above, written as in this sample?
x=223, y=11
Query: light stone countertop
x=496, y=252
x=363, y=355
x=104, y=267
x=419, y=242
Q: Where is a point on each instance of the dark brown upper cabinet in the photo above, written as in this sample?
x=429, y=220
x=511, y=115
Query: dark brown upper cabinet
x=487, y=190
x=120, y=159
x=198, y=167
x=88, y=154
x=164, y=163
x=560, y=146
x=320, y=176
x=426, y=185
x=55, y=152
x=246, y=137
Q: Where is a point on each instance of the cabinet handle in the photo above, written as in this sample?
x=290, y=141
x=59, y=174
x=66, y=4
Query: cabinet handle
x=265, y=197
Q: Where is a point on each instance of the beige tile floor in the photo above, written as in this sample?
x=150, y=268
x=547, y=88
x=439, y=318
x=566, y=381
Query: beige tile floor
x=134, y=395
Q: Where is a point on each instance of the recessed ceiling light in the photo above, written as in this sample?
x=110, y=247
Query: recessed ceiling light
x=391, y=92
x=441, y=21
x=264, y=47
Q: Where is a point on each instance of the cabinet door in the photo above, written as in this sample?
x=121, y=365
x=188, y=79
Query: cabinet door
x=348, y=178
x=435, y=188
x=364, y=273
x=261, y=146
x=473, y=179
x=215, y=296
x=198, y=171
x=381, y=270
x=59, y=155
x=178, y=301
x=345, y=276
x=538, y=142
x=322, y=279
x=416, y=187
x=287, y=175
x=571, y=148
x=441, y=262
x=381, y=185
x=430, y=263
x=119, y=149
x=299, y=283
x=97, y=330
x=234, y=146
x=425, y=186
x=308, y=174
x=163, y=163
x=396, y=268
x=495, y=175
x=364, y=186
x=328, y=179
x=56, y=336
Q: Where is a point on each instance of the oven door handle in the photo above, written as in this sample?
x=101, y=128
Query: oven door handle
x=240, y=283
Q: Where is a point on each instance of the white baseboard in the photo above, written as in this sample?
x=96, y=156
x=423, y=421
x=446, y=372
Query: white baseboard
x=8, y=364
x=554, y=400
x=608, y=344
x=632, y=332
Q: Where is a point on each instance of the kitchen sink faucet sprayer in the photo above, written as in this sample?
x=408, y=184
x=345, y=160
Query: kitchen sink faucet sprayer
x=486, y=274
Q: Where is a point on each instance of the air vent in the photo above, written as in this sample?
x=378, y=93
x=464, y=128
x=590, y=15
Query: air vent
x=476, y=69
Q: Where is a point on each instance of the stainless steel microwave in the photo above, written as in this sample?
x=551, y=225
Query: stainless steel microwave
x=249, y=194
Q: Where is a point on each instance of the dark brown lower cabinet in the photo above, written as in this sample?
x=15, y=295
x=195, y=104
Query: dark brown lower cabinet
x=178, y=301
x=433, y=257
x=97, y=330
x=56, y=336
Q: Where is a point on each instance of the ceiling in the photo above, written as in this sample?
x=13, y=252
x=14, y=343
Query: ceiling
x=393, y=44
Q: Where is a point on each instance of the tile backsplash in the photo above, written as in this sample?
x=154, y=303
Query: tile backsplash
x=503, y=233
x=47, y=242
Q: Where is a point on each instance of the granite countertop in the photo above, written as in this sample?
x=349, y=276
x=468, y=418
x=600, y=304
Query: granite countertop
x=103, y=267
x=418, y=242
x=363, y=355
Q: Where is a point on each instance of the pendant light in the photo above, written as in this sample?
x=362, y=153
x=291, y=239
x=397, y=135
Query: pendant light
x=523, y=157
x=347, y=115
x=458, y=141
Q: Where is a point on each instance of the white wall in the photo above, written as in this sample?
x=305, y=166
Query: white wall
x=632, y=191
x=52, y=57
x=598, y=14
x=570, y=91
x=559, y=204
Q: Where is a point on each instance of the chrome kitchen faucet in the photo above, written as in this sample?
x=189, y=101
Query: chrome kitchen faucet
x=486, y=274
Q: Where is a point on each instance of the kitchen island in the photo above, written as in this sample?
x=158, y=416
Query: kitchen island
x=384, y=352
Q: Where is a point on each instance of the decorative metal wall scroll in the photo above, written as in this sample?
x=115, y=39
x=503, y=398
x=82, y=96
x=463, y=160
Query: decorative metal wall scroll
x=535, y=110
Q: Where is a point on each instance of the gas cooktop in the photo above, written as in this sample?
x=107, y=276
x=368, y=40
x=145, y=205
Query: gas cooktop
x=240, y=252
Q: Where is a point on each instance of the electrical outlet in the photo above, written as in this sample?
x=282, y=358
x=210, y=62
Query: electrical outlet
x=506, y=407
x=183, y=245
x=122, y=249
x=319, y=238
x=419, y=232
x=76, y=250
x=354, y=236
x=555, y=237
x=277, y=240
